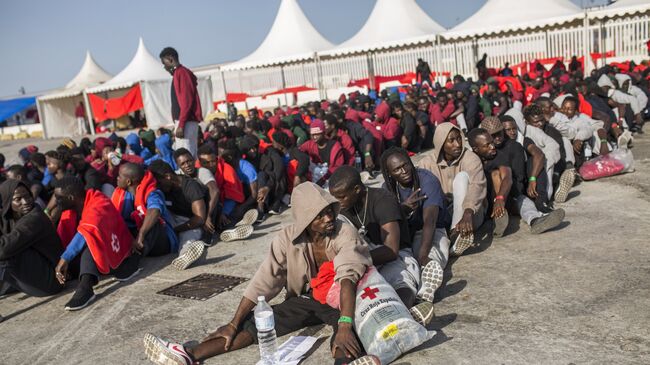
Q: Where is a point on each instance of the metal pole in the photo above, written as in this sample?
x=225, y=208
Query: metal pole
x=371, y=71
x=319, y=76
x=438, y=51
x=89, y=113
x=284, y=82
x=586, y=40
x=41, y=117
x=223, y=84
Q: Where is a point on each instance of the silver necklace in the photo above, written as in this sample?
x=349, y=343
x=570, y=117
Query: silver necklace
x=362, y=231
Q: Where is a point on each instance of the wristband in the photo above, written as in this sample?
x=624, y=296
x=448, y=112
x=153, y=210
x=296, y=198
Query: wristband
x=532, y=178
x=46, y=211
x=603, y=140
x=499, y=197
x=614, y=125
x=345, y=319
x=367, y=154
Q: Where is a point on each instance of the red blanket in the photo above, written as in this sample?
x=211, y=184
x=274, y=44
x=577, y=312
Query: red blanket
x=229, y=182
x=104, y=230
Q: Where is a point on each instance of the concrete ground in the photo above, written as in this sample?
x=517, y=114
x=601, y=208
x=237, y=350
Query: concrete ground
x=576, y=295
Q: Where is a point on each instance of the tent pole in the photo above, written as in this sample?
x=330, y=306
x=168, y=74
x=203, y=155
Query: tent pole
x=437, y=49
x=41, y=116
x=284, y=82
x=586, y=47
x=223, y=85
x=371, y=71
x=319, y=75
x=89, y=114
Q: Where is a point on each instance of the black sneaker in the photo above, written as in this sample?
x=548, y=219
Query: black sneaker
x=80, y=299
x=128, y=269
x=547, y=222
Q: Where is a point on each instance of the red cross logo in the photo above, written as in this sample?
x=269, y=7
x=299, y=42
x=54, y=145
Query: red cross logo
x=369, y=293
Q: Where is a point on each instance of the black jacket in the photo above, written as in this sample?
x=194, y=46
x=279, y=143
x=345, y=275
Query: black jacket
x=33, y=230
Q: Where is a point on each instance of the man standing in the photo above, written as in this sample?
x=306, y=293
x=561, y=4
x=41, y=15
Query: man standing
x=186, y=104
x=423, y=72
x=80, y=114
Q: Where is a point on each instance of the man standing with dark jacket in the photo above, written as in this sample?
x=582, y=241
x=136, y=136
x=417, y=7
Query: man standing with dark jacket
x=186, y=104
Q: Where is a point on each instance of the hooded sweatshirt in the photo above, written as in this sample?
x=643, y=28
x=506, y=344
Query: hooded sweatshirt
x=164, y=151
x=468, y=161
x=33, y=230
x=618, y=95
x=641, y=97
x=290, y=262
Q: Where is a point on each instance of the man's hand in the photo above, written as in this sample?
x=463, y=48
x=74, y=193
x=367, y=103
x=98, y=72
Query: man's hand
x=224, y=221
x=226, y=332
x=179, y=133
x=414, y=199
x=61, y=271
x=262, y=193
x=209, y=226
x=532, y=190
x=577, y=146
x=499, y=208
x=423, y=259
x=369, y=163
x=346, y=341
x=465, y=226
x=138, y=245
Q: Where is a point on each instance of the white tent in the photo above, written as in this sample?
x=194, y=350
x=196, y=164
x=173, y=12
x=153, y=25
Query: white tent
x=56, y=109
x=620, y=8
x=392, y=23
x=291, y=38
x=511, y=15
x=155, y=83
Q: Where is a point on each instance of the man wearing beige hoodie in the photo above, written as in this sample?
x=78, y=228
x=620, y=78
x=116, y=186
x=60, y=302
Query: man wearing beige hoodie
x=295, y=257
x=462, y=180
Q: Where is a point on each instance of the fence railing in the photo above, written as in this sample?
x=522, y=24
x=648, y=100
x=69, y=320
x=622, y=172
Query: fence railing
x=625, y=36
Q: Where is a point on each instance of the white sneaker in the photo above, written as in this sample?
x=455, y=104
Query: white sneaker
x=165, y=353
x=192, y=252
x=237, y=233
x=567, y=179
x=461, y=243
x=432, y=275
x=249, y=218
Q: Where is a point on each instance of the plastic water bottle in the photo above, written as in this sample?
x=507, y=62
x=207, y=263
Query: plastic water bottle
x=357, y=161
x=588, y=152
x=265, y=324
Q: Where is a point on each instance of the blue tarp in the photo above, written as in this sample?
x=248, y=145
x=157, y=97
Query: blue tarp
x=10, y=107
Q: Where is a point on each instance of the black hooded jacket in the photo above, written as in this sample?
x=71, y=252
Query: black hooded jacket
x=33, y=230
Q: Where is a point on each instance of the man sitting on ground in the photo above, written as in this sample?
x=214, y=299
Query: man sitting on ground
x=420, y=195
x=187, y=203
x=187, y=166
x=296, y=254
x=378, y=218
x=90, y=226
x=461, y=176
x=29, y=245
x=142, y=206
x=322, y=151
x=500, y=186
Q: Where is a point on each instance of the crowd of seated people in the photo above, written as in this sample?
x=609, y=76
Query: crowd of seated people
x=488, y=149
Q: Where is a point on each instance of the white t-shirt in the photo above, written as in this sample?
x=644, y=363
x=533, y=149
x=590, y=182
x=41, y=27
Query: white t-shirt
x=203, y=175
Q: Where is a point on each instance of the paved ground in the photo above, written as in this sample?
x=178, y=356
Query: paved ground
x=576, y=295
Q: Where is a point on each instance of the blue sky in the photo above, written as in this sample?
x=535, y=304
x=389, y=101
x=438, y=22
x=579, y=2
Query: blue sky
x=43, y=42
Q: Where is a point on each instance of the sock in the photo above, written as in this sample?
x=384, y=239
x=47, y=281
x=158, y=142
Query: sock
x=87, y=281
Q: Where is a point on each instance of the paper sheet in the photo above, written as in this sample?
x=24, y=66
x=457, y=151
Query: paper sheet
x=294, y=350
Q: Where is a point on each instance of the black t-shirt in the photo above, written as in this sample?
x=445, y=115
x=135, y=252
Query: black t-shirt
x=501, y=159
x=423, y=119
x=382, y=208
x=180, y=200
x=516, y=155
x=411, y=131
x=326, y=151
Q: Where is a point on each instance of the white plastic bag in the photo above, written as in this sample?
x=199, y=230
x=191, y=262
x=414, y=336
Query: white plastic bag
x=613, y=163
x=383, y=324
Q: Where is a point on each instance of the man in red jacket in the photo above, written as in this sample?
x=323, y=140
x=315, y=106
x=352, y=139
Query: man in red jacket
x=186, y=104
